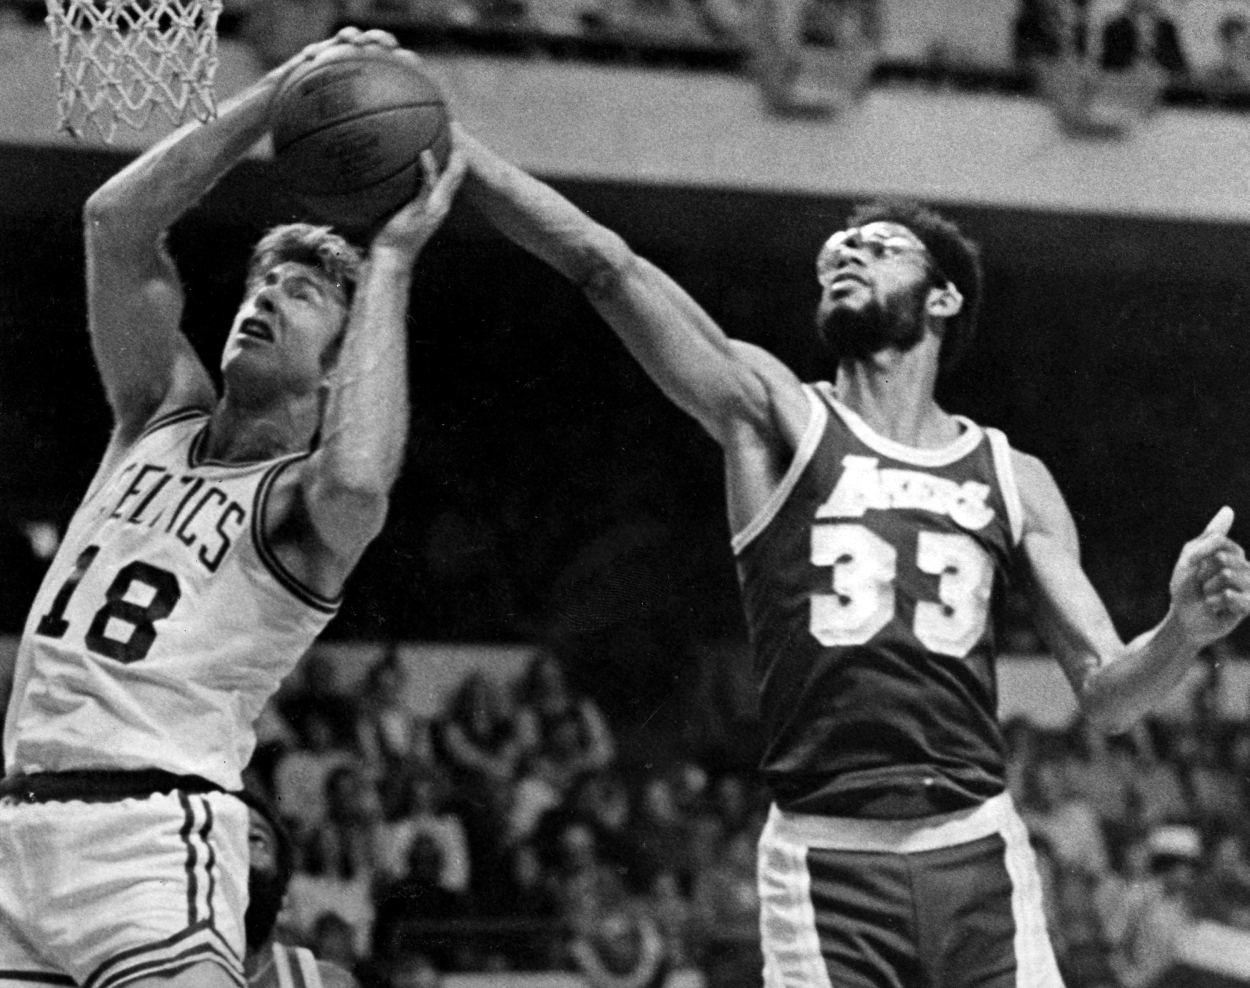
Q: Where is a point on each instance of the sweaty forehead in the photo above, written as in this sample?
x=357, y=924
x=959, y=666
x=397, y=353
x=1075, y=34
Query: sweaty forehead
x=286, y=269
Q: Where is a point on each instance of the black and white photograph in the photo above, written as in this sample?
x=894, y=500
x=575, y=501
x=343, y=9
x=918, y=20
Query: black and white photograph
x=624, y=493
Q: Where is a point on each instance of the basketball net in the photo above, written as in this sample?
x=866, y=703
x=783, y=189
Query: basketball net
x=118, y=60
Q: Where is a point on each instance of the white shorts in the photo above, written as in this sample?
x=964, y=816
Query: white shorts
x=100, y=893
x=953, y=900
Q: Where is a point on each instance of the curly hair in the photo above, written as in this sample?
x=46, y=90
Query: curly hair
x=956, y=258
x=317, y=246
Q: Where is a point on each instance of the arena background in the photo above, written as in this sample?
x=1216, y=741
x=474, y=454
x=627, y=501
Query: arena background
x=552, y=497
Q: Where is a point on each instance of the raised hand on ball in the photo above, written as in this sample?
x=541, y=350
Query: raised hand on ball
x=412, y=225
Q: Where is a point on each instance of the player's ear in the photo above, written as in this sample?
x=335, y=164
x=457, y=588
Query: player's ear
x=944, y=301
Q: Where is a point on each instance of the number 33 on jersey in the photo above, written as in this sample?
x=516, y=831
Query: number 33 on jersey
x=164, y=621
x=876, y=547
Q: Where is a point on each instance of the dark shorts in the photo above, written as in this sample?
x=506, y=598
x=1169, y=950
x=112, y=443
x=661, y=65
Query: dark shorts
x=943, y=902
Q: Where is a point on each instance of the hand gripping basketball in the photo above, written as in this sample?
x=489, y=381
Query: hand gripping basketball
x=350, y=122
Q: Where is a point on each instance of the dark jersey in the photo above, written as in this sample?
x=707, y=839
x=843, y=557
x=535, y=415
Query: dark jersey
x=870, y=581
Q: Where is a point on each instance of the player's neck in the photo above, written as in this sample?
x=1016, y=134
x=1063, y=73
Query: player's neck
x=240, y=432
x=894, y=394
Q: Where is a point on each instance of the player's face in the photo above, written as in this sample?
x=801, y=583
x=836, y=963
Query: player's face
x=874, y=282
x=262, y=843
x=266, y=886
x=291, y=317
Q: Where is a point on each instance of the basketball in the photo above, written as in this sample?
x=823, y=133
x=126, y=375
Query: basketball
x=348, y=132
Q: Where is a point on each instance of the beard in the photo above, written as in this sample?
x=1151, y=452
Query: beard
x=265, y=892
x=860, y=333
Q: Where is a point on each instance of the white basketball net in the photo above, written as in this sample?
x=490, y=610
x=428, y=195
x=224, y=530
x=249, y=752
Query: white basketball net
x=117, y=60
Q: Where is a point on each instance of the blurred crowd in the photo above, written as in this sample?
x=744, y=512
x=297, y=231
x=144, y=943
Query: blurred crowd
x=1137, y=837
x=510, y=833
x=1205, y=42
x=503, y=834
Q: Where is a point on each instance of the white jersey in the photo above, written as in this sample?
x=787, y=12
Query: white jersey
x=165, y=621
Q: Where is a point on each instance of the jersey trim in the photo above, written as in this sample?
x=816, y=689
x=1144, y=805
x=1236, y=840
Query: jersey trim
x=36, y=977
x=914, y=455
x=1001, y=450
x=194, y=945
x=891, y=836
x=172, y=418
x=195, y=457
x=295, y=967
x=318, y=602
x=802, y=456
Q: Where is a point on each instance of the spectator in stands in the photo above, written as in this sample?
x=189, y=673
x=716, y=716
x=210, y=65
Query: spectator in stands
x=334, y=940
x=395, y=743
x=657, y=834
x=480, y=738
x=704, y=843
x=301, y=774
x=1159, y=912
x=622, y=948
x=1223, y=894
x=565, y=730
x=672, y=910
x=603, y=801
x=337, y=860
x=585, y=886
x=1215, y=794
x=348, y=838
x=422, y=815
x=529, y=895
x=1056, y=811
x=480, y=742
x=1103, y=777
x=568, y=741
x=1142, y=34
x=413, y=971
x=1049, y=29
x=316, y=693
x=1080, y=942
x=1158, y=792
x=726, y=910
x=416, y=914
x=1231, y=71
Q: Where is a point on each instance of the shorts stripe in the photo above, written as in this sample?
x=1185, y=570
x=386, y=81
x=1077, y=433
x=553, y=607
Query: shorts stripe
x=39, y=977
x=188, y=825
x=1035, y=960
x=792, y=954
x=210, y=859
x=171, y=966
x=192, y=946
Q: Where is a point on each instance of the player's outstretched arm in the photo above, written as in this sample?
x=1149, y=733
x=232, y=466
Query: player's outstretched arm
x=1117, y=683
x=724, y=385
x=134, y=294
x=346, y=483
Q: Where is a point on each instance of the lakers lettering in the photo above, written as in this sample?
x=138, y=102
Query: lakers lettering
x=863, y=485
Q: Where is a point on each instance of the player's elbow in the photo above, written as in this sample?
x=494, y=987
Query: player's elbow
x=1105, y=710
x=604, y=263
x=103, y=209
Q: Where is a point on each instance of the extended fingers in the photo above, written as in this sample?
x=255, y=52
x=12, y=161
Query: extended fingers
x=1224, y=576
x=1198, y=552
